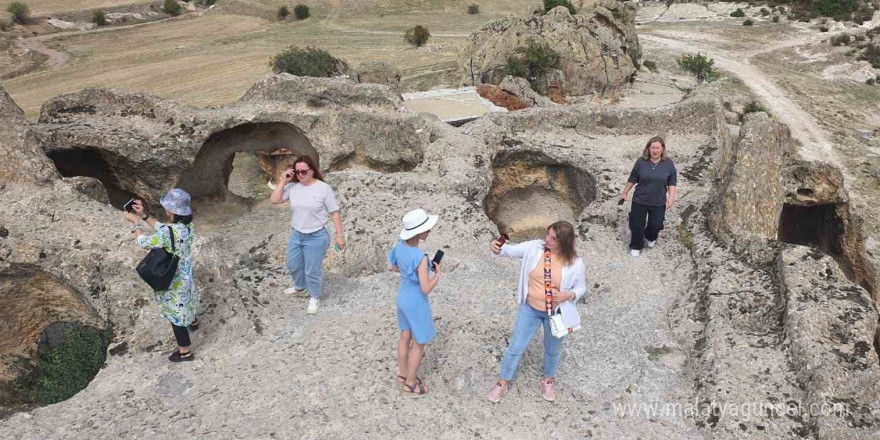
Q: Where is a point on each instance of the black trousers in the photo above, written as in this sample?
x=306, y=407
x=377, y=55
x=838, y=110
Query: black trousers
x=642, y=230
x=182, y=335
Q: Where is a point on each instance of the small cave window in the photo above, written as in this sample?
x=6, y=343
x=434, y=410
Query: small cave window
x=530, y=191
x=89, y=163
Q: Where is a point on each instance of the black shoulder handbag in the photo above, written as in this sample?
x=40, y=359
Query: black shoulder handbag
x=159, y=266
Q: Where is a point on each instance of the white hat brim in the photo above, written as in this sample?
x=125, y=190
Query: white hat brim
x=407, y=234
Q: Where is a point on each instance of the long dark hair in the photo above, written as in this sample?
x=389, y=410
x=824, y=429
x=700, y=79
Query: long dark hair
x=311, y=163
x=185, y=219
x=646, y=153
x=565, y=235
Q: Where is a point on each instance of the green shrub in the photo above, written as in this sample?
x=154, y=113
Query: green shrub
x=870, y=81
x=172, y=8
x=765, y=12
x=685, y=236
x=738, y=13
x=749, y=22
x=752, y=107
x=550, y=4
x=532, y=62
x=700, y=66
x=840, y=40
x=307, y=62
x=301, y=12
x=417, y=35
x=473, y=9
x=283, y=12
x=99, y=18
x=836, y=9
x=19, y=12
x=62, y=371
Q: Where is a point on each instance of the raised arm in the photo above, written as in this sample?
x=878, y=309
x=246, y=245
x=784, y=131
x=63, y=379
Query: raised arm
x=278, y=194
x=426, y=283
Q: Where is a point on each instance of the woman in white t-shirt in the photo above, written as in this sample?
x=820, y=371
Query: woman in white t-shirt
x=313, y=205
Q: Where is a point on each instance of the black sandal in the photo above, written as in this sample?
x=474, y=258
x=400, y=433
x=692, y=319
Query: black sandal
x=177, y=357
x=413, y=389
x=194, y=326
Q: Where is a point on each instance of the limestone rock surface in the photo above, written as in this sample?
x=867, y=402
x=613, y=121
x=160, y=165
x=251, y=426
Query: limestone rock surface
x=598, y=47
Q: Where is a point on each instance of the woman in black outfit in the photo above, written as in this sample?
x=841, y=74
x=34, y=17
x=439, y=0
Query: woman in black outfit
x=654, y=176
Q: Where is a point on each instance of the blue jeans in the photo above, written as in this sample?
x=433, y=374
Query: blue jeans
x=305, y=257
x=527, y=322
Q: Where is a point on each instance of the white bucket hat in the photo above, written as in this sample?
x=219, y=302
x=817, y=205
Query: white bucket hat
x=176, y=202
x=415, y=222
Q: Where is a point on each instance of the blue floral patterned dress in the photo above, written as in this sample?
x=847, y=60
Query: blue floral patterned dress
x=177, y=304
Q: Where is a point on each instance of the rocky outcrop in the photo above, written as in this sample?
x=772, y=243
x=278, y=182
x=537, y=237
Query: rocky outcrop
x=830, y=325
x=750, y=187
x=520, y=88
x=598, y=47
x=21, y=158
x=144, y=145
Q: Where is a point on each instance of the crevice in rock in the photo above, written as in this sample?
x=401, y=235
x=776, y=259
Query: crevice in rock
x=829, y=228
x=358, y=160
x=210, y=173
x=89, y=163
x=531, y=190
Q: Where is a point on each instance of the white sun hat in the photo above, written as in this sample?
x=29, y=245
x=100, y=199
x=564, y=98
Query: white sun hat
x=415, y=222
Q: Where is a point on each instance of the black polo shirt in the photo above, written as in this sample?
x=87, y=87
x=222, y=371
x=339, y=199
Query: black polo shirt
x=651, y=181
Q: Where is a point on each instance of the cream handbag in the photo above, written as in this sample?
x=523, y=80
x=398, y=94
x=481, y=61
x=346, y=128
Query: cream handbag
x=558, y=327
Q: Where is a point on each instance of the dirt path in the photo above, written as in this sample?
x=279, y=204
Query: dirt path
x=58, y=59
x=804, y=128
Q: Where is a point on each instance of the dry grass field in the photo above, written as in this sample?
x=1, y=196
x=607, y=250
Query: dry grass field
x=48, y=7
x=215, y=58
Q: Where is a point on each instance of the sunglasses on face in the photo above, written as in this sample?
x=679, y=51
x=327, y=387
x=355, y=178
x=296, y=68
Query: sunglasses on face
x=302, y=172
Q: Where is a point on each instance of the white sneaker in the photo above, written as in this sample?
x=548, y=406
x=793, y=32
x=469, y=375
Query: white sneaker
x=651, y=243
x=634, y=252
x=298, y=292
x=313, y=306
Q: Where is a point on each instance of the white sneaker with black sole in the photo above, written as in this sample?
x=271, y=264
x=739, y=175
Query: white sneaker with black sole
x=635, y=252
x=651, y=243
x=313, y=306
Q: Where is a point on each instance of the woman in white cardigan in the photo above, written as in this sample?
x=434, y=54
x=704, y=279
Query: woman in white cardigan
x=568, y=285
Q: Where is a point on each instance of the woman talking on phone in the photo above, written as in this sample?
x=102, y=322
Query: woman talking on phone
x=551, y=277
x=313, y=205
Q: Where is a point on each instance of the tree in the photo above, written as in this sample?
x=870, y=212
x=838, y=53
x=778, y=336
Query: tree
x=99, y=18
x=283, y=12
x=307, y=62
x=172, y=8
x=417, y=36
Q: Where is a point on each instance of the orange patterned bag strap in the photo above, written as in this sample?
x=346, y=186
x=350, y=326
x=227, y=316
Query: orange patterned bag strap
x=548, y=292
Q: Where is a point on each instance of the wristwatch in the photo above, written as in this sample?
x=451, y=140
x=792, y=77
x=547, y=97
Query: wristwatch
x=146, y=216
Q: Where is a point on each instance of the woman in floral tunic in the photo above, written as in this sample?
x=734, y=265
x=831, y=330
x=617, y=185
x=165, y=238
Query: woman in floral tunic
x=178, y=303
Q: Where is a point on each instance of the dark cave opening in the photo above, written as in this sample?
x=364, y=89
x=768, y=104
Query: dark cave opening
x=89, y=163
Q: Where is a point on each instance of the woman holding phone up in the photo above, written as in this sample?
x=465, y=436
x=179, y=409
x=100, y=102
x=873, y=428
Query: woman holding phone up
x=556, y=255
x=313, y=204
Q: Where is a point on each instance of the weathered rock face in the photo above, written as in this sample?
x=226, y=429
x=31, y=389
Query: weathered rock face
x=750, y=188
x=164, y=144
x=831, y=326
x=21, y=158
x=520, y=88
x=598, y=47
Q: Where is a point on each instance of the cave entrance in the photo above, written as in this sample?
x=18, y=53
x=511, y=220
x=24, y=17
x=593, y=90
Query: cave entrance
x=827, y=227
x=531, y=190
x=54, y=343
x=241, y=160
x=89, y=163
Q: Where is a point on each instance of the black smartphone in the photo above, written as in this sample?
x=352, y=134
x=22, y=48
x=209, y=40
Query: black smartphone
x=620, y=202
x=437, y=257
x=129, y=205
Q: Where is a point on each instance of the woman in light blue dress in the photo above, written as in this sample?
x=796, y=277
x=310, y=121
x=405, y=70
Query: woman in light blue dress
x=413, y=309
